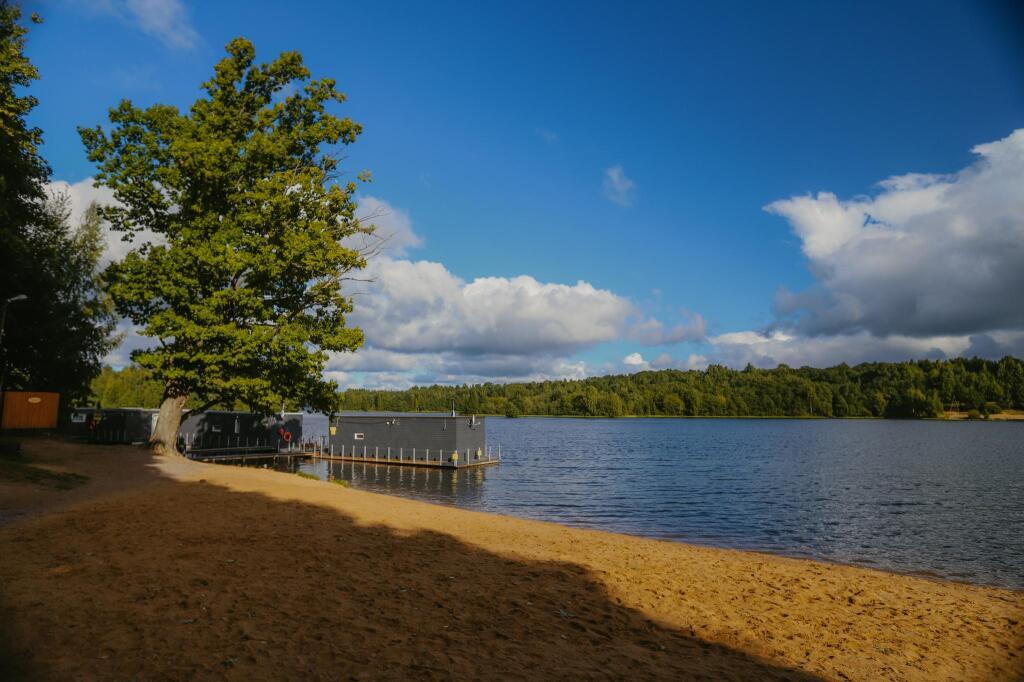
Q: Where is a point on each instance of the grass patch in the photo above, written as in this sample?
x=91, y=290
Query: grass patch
x=306, y=474
x=340, y=481
x=19, y=472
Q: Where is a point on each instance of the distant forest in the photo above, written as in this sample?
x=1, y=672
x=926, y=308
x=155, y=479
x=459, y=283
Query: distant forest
x=918, y=389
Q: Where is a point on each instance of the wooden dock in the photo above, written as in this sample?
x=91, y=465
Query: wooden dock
x=434, y=464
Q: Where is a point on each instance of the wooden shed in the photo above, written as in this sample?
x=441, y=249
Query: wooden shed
x=30, y=410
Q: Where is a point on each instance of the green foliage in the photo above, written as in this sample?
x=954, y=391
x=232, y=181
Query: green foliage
x=340, y=481
x=132, y=386
x=306, y=474
x=242, y=287
x=55, y=340
x=22, y=170
x=900, y=390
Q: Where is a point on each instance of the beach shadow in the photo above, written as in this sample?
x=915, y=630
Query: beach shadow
x=192, y=580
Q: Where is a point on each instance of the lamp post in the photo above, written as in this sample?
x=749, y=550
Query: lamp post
x=3, y=370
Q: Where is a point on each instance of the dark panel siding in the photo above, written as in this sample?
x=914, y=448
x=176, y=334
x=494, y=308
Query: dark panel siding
x=206, y=429
x=120, y=425
x=227, y=429
x=403, y=433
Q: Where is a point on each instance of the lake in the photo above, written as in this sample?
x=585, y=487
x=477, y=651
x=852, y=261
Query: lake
x=936, y=498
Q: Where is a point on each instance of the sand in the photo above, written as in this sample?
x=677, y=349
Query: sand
x=169, y=569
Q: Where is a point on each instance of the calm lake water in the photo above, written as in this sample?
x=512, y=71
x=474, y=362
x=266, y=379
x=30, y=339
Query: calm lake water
x=938, y=498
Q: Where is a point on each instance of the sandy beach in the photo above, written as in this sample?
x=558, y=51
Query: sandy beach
x=170, y=569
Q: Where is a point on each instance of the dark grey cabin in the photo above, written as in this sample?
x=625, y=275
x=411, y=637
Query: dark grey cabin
x=398, y=438
x=215, y=429
x=202, y=430
x=116, y=425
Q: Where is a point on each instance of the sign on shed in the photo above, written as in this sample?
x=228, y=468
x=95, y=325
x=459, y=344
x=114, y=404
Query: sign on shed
x=30, y=410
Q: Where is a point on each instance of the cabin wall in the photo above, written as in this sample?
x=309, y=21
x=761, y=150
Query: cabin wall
x=403, y=433
x=217, y=429
x=205, y=429
x=118, y=425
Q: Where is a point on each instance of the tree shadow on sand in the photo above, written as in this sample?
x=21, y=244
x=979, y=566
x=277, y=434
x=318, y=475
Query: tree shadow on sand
x=190, y=580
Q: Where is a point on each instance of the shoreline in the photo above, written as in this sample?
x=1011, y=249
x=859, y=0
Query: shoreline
x=1008, y=416
x=923, y=574
x=183, y=566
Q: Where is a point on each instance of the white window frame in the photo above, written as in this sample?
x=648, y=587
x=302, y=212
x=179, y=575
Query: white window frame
x=357, y=436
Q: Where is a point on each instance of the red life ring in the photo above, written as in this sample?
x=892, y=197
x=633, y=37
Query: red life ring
x=287, y=436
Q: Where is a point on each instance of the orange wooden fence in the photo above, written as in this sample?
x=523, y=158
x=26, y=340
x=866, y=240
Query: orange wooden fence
x=30, y=410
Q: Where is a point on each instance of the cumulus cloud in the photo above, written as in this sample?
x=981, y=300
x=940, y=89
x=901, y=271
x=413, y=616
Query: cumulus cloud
x=82, y=194
x=653, y=332
x=419, y=306
x=769, y=349
x=617, y=187
x=166, y=20
x=635, y=361
x=928, y=255
x=393, y=232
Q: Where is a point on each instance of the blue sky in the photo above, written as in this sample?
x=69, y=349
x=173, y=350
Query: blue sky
x=633, y=149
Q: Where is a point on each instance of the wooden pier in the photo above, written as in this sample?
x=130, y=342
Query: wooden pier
x=434, y=464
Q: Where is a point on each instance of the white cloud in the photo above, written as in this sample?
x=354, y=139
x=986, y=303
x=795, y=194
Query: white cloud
x=82, y=194
x=419, y=306
x=635, y=360
x=773, y=348
x=617, y=187
x=372, y=360
x=393, y=233
x=929, y=255
x=166, y=20
x=653, y=332
x=691, y=361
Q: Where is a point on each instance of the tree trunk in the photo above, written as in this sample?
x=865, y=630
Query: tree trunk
x=164, y=440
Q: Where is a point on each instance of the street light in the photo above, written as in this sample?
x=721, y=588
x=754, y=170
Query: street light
x=3, y=371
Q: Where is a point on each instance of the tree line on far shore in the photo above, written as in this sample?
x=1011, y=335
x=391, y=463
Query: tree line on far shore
x=910, y=390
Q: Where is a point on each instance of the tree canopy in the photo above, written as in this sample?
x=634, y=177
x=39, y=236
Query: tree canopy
x=56, y=339
x=237, y=264
x=896, y=390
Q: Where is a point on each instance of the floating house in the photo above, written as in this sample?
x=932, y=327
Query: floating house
x=117, y=425
x=444, y=440
x=216, y=429
x=203, y=430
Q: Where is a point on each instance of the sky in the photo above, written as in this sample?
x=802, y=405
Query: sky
x=593, y=188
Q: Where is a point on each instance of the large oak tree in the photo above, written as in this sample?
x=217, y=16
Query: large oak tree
x=240, y=280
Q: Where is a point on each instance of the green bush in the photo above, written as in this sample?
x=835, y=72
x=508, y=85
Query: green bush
x=306, y=474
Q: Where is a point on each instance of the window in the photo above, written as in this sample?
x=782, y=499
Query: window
x=358, y=436
x=78, y=418
x=215, y=428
